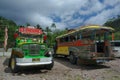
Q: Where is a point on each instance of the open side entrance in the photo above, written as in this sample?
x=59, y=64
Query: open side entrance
x=103, y=44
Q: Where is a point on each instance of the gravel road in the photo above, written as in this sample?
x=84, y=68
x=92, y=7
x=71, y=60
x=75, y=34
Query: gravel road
x=63, y=70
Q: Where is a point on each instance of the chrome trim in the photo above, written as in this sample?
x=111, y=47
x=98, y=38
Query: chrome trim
x=28, y=61
x=33, y=64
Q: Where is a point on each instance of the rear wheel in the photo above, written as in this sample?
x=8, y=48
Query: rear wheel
x=73, y=59
x=13, y=65
x=65, y=56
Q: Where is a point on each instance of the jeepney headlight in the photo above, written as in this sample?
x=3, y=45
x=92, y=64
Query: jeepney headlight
x=48, y=53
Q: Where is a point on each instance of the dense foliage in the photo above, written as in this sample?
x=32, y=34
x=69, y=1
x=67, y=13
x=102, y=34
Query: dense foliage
x=51, y=31
x=115, y=23
x=11, y=25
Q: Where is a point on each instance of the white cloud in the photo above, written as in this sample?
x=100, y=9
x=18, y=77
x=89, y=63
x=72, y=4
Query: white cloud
x=111, y=2
x=43, y=20
x=61, y=25
x=102, y=17
x=39, y=11
x=93, y=6
x=75, y=22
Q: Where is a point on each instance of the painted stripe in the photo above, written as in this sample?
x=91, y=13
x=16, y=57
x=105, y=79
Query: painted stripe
x=76, y=43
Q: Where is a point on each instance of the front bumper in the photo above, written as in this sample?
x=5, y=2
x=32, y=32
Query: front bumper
x=103, y=59
x=30, y=62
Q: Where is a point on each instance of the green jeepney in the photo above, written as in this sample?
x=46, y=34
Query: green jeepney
x=30, y=50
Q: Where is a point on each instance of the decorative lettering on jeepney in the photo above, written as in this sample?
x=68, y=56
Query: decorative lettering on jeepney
x=30, y=31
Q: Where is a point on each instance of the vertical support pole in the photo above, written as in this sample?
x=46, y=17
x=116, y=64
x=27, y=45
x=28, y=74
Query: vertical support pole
x=113, y=37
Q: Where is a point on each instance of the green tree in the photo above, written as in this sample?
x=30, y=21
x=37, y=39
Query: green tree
x=11, y=25
x=27, y=24
x=114, y=23
x=53, y=25
x=38, y=26
x=47, y=29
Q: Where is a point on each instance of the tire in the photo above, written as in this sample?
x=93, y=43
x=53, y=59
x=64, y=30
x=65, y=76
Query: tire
x=13, y=66
x=73, y=59
x=50, y=66
x=9, y=62
x=65, y=56
x=55, y=55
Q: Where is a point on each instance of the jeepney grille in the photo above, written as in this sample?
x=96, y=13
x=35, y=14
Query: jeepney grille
x=34, y=49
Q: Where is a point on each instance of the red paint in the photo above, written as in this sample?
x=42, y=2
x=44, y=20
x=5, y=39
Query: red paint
x=15, y=35
x=45, y=37
x=75, y=43
x=30, y=31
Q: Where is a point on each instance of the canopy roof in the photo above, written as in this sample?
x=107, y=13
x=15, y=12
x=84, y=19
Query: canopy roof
x=88, y=28
x=91, y=27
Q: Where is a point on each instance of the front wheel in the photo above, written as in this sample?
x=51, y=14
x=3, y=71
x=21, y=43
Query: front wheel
x=13, y=66
x=73, y=59
x=50, y=66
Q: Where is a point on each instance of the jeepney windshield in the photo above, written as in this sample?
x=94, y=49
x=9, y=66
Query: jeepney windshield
x=30, y=36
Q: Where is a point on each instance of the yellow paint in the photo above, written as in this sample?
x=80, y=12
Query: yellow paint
x=63, y=50
x=95, y=27
x=87, y=27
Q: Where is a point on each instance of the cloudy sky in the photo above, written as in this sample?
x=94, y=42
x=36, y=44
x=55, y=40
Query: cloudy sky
x=64, y=13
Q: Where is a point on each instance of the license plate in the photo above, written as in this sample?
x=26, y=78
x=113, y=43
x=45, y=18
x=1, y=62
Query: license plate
x=35, y=60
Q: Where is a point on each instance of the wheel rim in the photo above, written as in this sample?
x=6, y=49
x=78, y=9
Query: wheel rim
x=12, y=63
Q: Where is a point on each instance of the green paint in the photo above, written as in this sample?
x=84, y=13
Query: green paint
x=32, y=46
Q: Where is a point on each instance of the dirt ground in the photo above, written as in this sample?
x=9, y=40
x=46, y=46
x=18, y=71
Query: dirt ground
x=64, y=70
